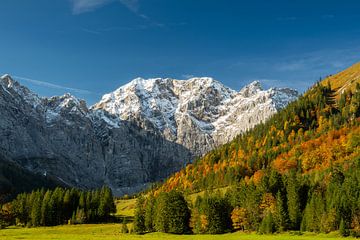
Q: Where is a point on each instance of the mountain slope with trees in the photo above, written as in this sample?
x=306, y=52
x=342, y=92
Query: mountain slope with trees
x=297, y=171
x=15, y=179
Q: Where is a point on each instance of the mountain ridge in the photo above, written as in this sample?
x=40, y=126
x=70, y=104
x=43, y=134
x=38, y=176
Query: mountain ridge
x=203, y=105
x=89, y=147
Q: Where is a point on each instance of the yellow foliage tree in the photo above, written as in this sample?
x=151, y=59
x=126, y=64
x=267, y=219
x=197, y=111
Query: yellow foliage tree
x=239, y=217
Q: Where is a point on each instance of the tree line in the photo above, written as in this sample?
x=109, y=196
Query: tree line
x=323, y=202
x=59, y=206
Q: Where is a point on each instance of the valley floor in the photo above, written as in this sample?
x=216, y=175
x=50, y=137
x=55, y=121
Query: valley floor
x=112, y=231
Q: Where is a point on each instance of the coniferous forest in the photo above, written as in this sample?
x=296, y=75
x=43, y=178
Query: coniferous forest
x=298, y=171
x=59, y=206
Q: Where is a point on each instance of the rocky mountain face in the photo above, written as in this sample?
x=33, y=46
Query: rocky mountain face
x=61, y=137
x=199, y=113
x=141, y=133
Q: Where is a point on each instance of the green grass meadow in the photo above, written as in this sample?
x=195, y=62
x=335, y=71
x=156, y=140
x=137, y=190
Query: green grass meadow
x=125, y=208
x=112, y=231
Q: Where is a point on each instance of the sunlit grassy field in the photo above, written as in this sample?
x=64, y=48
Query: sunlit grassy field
x=112, y=231
x=125, y=207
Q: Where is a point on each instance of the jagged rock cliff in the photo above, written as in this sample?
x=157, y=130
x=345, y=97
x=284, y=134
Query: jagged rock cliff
x=138, y=134
x=60, y=137
x=199, y=113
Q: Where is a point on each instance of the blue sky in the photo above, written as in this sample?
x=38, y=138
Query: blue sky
x=91, y=47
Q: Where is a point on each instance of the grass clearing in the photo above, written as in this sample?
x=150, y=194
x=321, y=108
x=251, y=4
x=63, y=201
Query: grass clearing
x=112, y=231
x=125, y=207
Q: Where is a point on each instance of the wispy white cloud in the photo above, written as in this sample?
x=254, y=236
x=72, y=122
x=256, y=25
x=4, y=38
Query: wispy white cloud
x=91, y=31
x=53, y=86
x=328, y=16
x=291, y=66
x=187, y=76
x=321, y=59
x=82, y=6
x=266, y=80
x=294, y=18
x=297, y=71
x=132, y=5
x=285, y=19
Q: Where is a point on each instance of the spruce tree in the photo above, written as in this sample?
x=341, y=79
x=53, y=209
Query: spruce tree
x=267, y=225
x=178, y=215
x=67, y=208
x=36, y=209
x=218, y=214
x=106, y=205
x=150, y=214
x=342, y=229
x=139, y=218
x=293, y=201
x=45, y=210
x=280, y=216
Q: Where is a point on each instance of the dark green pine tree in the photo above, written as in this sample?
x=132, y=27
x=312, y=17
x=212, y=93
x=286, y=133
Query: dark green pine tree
x=217, y=212
x=280, y=216
x=267, y=225
x=67, y=205
x=55, y=206
x=313, y=213
x=106, y=205
x=20, y=208
x=36, y=209
x=45, y=209
x=172, y=214
x=82, y=200
x=150, y=214
x=342, y=229
x=178, y=215
x=161, y=211
x=293, y=201
x=139, y=218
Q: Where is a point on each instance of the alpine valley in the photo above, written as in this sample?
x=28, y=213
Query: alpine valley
x=141, y=133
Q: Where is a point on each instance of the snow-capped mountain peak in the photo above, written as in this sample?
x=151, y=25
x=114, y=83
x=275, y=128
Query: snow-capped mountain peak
x=251, y=89
x=198, y=113
x=13, y=87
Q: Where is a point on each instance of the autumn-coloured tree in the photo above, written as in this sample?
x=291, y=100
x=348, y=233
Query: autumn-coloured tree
x=239, y=217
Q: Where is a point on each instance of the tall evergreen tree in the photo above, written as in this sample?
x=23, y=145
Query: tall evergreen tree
x=45, y=209
x=150, y=214
x=139, y=218
x=36, y=209
x=293, y=201
x=280, y=216
x=178, y=213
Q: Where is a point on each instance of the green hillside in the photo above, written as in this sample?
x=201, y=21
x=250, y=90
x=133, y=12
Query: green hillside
x=298, y=171
x=345, y=80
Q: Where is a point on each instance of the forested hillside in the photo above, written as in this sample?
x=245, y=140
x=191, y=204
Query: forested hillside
x=298, y=171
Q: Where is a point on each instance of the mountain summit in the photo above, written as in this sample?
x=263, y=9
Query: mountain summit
x=198, y=113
